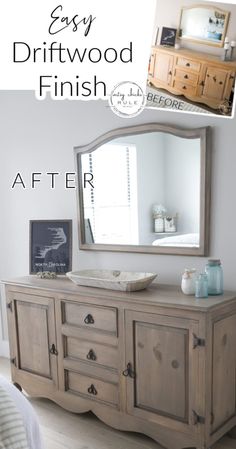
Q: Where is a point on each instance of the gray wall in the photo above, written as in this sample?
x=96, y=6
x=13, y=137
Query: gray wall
x=39, y=136
x=168, y=15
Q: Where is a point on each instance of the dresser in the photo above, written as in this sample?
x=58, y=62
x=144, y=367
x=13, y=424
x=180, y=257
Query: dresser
x=154, y=361
x=199, y=77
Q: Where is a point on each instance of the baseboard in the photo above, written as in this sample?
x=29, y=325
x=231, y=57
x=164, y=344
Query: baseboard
x=4, y=349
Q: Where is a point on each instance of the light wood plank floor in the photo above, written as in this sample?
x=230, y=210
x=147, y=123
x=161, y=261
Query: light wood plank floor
x=65, y=430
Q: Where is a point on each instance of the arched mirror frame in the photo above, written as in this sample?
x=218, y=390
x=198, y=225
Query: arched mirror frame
x=205, y=182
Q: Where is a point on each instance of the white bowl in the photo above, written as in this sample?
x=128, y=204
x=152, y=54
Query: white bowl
x=128, y=281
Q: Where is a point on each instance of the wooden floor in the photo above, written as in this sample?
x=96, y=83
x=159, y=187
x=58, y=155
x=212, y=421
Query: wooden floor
x=65, y=430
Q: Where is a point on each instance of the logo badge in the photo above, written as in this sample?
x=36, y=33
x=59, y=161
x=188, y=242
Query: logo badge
x=127, y=99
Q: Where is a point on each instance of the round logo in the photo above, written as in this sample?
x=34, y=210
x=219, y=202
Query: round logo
x=127, y=99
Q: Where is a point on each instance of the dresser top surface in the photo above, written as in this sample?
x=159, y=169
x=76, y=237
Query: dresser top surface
x=196, y=55
x=157, y=294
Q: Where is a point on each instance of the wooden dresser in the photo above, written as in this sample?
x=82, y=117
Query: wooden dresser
x=199, y=77
x=154, y=361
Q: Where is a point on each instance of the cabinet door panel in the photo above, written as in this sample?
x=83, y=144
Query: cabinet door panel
x=215, y=83
x=33, y=334
x=161, y=357
x=165, y=365
x=33, y=340
x=163, y=68
x=223, y=372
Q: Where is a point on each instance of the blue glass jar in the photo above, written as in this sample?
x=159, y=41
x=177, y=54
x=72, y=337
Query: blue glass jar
x=214, y=274
x=201, y=290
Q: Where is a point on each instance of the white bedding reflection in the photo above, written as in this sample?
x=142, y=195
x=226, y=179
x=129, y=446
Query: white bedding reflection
x=184, y=240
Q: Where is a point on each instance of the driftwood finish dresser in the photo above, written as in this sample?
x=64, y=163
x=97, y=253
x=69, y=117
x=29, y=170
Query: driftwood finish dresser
x=154, y=361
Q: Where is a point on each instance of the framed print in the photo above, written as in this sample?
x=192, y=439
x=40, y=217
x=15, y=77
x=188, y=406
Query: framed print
x=168, y=36
x=50, y=246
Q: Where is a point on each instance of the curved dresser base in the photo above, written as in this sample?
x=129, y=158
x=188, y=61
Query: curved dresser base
x=118, y=420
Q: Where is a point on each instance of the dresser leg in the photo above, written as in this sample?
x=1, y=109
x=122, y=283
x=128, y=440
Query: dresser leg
x=17, y=386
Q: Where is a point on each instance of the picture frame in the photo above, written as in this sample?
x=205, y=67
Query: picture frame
x=168, y=36
x=50, y=246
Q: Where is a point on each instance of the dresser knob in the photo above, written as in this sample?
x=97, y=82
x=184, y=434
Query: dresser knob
x=92, y=390
x=184, y=87
x=170, y=72
x=186, y=77
x=53, y=350
x=128, y=372
x=214, y=79
x=89, y=319
x=91, y=355
x=187, y=64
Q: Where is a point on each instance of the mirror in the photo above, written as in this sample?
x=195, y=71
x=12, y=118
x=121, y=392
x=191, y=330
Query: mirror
x=204, y=24
x=145, y=189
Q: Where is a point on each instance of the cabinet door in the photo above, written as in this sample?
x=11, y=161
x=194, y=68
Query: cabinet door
x=215, y=83
x=223, y=372
x=162, y=382
x=32, y=337
x=163, y=68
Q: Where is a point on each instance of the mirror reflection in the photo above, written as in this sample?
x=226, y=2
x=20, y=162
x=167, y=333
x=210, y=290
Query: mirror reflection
x=204, y=23
x=143, y=189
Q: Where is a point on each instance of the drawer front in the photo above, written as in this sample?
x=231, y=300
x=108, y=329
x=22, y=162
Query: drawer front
x=189, y=64
x=94, y=389
x=91, y=352
x=184, y=88
x=186, y=77
x=90, y=316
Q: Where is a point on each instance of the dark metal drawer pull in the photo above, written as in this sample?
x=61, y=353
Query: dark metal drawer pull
x=91, y=355
x=187, y=64
x=92, y=390
x=186, y=77
x=89, y=319
x=128, y=372
x=53, y=350
x=184, y=87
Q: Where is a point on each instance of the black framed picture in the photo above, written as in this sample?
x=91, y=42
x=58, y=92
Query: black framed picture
x=168, y=36
x=50, y=246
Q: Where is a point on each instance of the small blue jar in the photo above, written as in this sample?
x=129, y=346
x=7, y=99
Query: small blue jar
x=214, y=274
x=201, y=290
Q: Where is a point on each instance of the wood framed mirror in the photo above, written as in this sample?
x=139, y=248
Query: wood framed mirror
x=205, y=24
x=145, y=189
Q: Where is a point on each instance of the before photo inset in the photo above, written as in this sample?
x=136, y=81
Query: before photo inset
x=192, y=64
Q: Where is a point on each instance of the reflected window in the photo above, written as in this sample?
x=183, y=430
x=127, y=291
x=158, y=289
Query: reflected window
x=111, y=205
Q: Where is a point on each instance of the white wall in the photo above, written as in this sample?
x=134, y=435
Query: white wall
x=168, y=15
x=39, y=136
x=182, y=182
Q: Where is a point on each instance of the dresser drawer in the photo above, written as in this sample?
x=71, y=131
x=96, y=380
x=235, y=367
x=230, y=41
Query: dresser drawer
x=90, y=316
x=189, y=64
x=184, y=88
x=186, y=77
x=92, y=388
x=91, y=352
